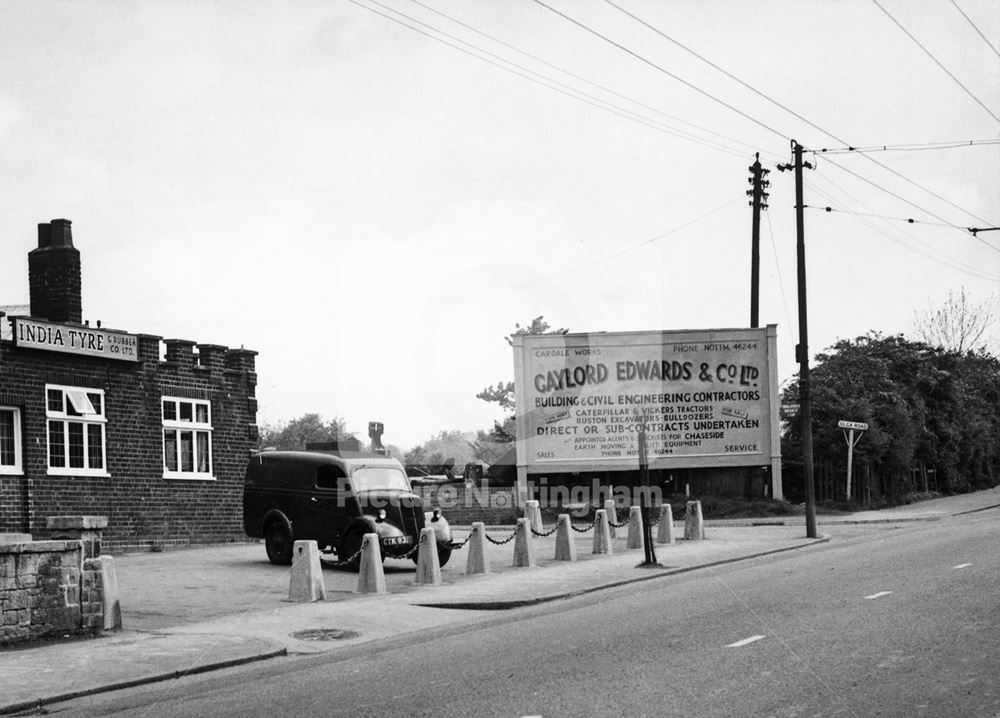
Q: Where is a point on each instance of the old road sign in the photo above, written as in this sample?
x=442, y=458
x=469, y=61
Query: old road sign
x=860, y=426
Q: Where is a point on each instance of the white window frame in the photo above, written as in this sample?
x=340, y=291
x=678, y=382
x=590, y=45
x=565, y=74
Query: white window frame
x=77, y=408
x=15, y=469
x=175, y=426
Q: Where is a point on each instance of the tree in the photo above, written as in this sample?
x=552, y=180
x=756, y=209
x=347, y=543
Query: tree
x=452, y=445
x=416, y=455
x=296, y=433
x=503, y=431
x=957, y=325
x=928, y=409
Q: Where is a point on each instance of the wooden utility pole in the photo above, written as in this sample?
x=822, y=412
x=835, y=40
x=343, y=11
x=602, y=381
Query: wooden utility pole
x=758, y=201
x=802, y=349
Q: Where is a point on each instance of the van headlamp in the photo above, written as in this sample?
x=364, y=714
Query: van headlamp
x=381, y=515
x=436, y=515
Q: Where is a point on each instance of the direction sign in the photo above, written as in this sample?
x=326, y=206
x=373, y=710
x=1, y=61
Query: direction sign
x=860, y=426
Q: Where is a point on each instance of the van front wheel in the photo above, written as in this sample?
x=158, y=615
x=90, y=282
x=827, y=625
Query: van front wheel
x=352, y=547
x=278, y=543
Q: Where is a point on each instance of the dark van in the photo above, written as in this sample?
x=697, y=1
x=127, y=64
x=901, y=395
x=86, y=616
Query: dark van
x=334, y=500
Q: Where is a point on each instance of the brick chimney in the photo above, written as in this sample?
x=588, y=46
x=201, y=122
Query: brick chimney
x=54, y=274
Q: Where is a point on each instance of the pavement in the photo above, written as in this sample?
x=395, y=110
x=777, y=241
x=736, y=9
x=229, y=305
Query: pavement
x=201, y=609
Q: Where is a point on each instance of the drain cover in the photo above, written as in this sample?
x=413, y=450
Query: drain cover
x=324, y=634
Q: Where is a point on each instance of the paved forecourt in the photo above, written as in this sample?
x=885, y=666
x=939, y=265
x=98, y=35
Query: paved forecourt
x=194, y=610
x=201, y=609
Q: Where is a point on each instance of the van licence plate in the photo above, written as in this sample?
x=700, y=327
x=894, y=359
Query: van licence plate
x=396, y=540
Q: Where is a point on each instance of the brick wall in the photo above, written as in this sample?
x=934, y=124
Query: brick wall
x=461, y=504
x=142, y=506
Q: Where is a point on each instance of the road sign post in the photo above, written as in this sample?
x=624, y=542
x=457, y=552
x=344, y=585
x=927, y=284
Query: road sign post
x=849, y=427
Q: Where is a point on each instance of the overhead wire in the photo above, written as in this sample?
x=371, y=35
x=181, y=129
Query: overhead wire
x=908, y=242
x=537, y=78
x=473, y=296
x=580, y=78
x=903, y=199
x=908, y=220
x=780, y=105
x=955, y=266
x=976, y=28
x=781, y=282
x=665, y=71
x=589, y=99
x=936, y=61
x=711, y=64
x=633, y=247
x=913, y=147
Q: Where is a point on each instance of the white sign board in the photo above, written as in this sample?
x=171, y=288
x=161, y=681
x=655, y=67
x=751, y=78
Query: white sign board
x=852, y=425
x=706, y=398
x=72, y=339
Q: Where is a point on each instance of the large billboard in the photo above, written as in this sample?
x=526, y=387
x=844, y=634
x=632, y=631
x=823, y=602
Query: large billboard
x=705, y=397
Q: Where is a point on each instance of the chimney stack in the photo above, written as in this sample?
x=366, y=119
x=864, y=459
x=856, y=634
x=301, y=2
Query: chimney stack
x=54, y=274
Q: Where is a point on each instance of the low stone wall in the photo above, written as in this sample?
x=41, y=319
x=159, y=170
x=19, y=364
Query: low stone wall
x=57, y=586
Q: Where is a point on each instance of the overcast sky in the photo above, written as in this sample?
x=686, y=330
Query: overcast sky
x=373, y=210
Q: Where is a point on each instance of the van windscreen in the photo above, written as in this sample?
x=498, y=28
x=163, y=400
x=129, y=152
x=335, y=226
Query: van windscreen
x=379, y=478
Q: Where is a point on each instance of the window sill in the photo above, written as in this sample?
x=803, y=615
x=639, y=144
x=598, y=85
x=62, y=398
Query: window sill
x=78, y=473
x=182, y=476
x=11, y=471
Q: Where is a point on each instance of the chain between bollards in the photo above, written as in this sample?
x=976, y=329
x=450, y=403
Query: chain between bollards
x=412, y=551
x=543, y=534
x=346, y=561
x=500, y=543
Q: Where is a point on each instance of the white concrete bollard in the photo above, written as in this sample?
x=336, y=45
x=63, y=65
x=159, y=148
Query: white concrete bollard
x=477, y=561
x=694, y=525
x=612, y=515
x=665, y=527
x=109, y=594
x=428, y=564
x=602, y=533
x=634, y=528
x=565, y=546
x=371, y=576
x=533, y=512
x=306, y=582
x=524, y=549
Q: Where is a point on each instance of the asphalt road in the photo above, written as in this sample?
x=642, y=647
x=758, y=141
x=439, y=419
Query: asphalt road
x=891, y=621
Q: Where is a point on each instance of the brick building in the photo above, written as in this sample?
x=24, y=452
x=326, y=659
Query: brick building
x=152, y=433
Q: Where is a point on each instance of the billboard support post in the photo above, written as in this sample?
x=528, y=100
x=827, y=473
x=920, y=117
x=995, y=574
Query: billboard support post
x=777, y=488
x=647, y=529
x=522, y=485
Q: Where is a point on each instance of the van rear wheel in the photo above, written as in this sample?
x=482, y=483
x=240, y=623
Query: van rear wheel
x=443, y=555
x=278, y=543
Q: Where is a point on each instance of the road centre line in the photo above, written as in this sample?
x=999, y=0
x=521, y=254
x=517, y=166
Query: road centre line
x=877, y=595
x=962, y=565
x=745, y=641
